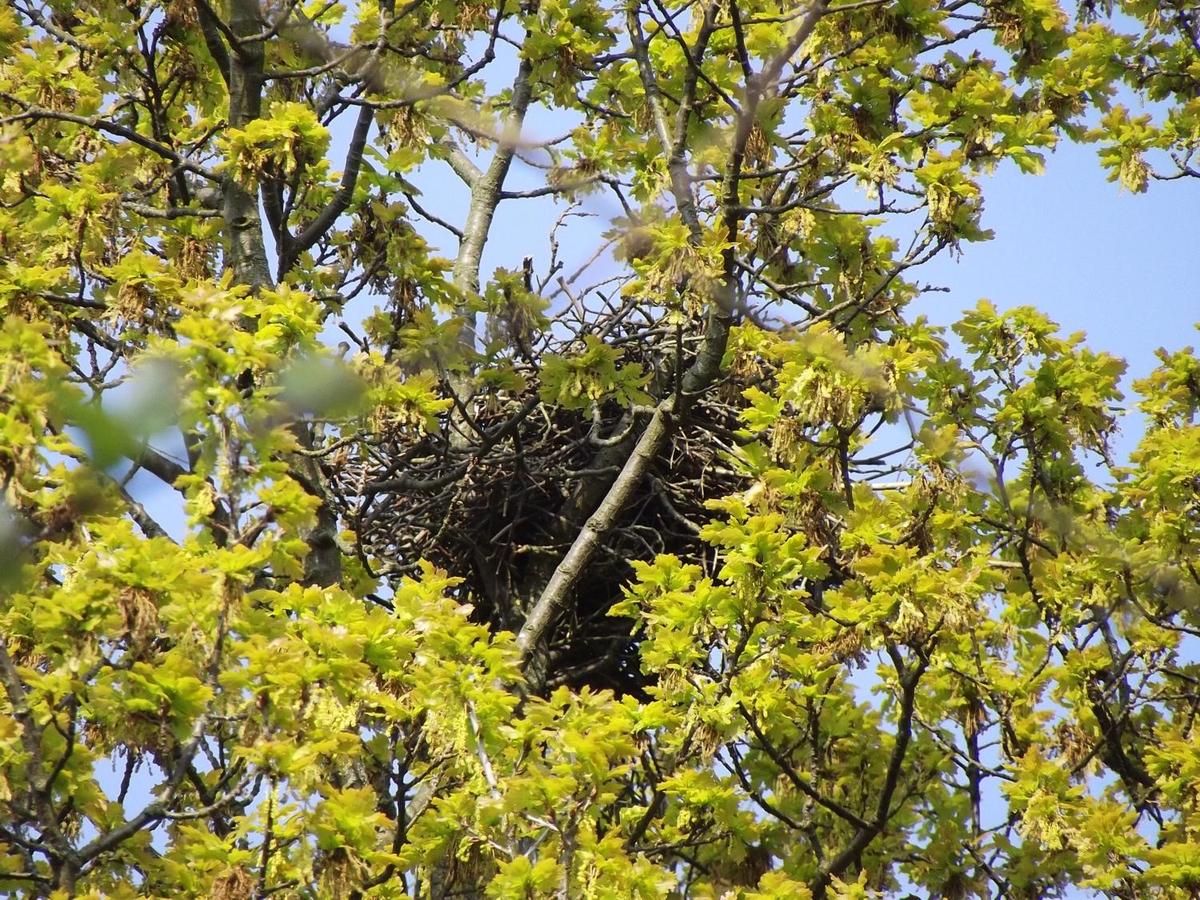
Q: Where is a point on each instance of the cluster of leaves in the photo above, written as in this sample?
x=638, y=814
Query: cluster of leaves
x=879, y=616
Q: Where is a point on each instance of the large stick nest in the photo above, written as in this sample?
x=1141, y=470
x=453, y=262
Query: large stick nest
x=498, y=503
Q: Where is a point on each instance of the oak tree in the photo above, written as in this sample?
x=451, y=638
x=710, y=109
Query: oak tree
x=666, y=553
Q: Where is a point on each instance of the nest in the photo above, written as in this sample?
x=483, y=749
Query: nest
x=500, y=509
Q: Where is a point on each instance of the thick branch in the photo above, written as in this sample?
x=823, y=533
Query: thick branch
x=210, y=27
x=246, y=252
x=486, y=190
x=488, y=187
x=317, y=228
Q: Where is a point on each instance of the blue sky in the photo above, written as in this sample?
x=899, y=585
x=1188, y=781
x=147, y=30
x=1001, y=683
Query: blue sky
x=1121, y=267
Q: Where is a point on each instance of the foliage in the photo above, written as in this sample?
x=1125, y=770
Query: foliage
x=689, y=565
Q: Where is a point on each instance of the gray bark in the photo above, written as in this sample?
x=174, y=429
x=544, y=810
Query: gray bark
x=487, y=187
x=246, y=258
x=245, y=252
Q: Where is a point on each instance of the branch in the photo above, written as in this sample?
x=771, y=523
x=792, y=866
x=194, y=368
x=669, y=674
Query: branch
x=316, y=229
x=487, y=187
x=430, y=217
x=547, y=190
x=870, y=830
x=212, y=27
x=31, y=737
x=172, y=212
x=460, y=163
x=163, y=468
x=798, y=781
x=138, y=513
x=245, y=251
x=553, y=599
x=96, y=123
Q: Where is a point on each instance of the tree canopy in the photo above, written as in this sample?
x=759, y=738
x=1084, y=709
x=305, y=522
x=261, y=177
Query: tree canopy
x=671, y=557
